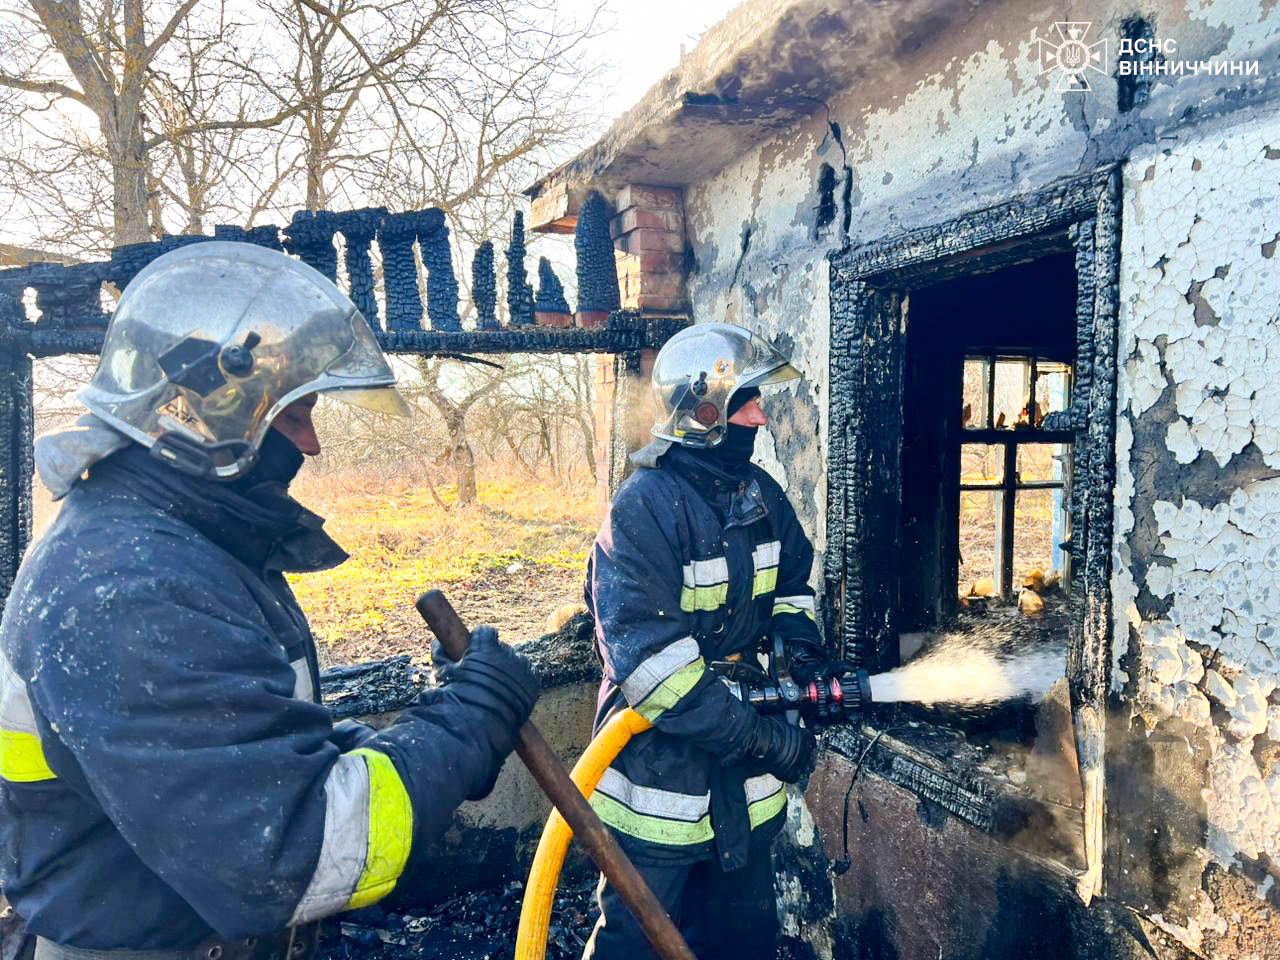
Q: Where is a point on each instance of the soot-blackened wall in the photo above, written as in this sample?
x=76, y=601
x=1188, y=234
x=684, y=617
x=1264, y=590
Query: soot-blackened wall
x=961, y=123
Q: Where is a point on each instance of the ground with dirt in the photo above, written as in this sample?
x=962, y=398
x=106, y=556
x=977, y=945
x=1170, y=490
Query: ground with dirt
x=510, y=559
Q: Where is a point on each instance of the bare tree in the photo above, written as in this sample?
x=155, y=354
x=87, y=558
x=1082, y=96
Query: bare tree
x=98, y=59
x=454, y=413
x=351, y=68
x=199, y=172
x=121, y=119
x=542, y=414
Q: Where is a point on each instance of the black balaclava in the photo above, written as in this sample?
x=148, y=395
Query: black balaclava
x=279, y=461
x=733, y=453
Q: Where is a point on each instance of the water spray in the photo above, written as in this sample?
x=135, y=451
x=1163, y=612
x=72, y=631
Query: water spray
x=964, y=671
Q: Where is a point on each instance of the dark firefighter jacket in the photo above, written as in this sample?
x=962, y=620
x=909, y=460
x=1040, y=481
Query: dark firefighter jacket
x=692, y=565
x=166, y=774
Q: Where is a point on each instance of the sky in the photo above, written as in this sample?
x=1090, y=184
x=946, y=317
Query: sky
x=645, y=39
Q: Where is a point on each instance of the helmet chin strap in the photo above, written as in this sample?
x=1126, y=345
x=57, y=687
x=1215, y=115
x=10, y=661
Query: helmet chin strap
x=277, y=461
x=198, y=459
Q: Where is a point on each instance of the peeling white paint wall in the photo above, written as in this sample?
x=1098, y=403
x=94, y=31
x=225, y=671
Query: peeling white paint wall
x=1200, y=220
x=971, y=125
x=966, y=126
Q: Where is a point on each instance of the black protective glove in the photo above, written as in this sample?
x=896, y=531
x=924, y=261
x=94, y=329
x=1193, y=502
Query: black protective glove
x=785, y=750
x=807, y=660
x=495, y=679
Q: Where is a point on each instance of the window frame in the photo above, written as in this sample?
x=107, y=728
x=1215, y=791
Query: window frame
x=870, y=286
x=1010, y=439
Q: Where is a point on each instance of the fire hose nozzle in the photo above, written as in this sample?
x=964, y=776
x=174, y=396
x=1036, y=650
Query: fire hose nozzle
x=853, y=691
x=840, y=698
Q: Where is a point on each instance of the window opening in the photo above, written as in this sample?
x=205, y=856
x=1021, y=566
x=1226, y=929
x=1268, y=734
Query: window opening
x=1013, y=517
x=985, y=519
x=986, y=445
x=906, y=312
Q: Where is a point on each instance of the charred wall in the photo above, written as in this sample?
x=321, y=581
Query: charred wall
x=960, y=122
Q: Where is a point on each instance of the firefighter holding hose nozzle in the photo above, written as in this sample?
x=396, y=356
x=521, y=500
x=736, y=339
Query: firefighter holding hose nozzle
x=171, y=788
x=702, y=559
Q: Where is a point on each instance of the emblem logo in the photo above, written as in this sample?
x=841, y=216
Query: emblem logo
x=178, y=414
x=1073, y=57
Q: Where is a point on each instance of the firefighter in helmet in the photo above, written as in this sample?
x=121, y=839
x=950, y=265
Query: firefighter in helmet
x=171, y=786
x=700, y=559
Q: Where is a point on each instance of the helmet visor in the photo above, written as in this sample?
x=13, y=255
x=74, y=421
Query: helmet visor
x=385, y=400
x=780, y=374
x=764, y=365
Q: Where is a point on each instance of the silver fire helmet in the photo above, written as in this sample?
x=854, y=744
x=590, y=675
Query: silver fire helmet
x=211, y=341
x=697, y=372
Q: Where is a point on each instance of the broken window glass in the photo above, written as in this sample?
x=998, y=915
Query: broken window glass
x=1010, y=392
x=1041, y=462
x=982, y=463
x=1052, y=388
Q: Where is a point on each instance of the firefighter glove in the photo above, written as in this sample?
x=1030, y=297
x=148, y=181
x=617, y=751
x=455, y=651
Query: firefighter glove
x=783, y=749
x=490, y=675
x=492, y=678
x=808, y=661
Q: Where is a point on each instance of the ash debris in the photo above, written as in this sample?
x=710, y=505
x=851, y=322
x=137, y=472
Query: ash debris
x=566, y=654
x=480, y=925
x=363, y=689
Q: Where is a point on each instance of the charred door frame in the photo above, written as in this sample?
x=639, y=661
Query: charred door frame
x=869, y=287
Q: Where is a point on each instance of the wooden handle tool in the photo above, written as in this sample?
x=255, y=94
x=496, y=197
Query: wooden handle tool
x=553, y=778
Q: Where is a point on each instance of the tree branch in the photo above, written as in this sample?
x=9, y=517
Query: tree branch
x=43, y=86
x=165, y=34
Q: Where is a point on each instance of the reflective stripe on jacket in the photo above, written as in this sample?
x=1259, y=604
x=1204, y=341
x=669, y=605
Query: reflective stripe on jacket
x=691, y=565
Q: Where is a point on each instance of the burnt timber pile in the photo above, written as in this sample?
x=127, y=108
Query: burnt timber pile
x=479, y=925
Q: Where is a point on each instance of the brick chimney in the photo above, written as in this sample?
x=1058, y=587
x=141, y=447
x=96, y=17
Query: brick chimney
x=648, y=231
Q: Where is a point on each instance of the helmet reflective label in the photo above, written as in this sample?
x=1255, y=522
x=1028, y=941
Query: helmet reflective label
x=178, y=415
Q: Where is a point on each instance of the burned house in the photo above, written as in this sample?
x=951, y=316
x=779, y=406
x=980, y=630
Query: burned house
x=1024, y=256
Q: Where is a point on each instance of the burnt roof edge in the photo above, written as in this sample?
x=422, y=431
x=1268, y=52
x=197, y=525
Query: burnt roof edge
x=762, y=68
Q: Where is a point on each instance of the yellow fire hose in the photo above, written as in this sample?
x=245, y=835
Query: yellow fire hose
x=544, y=875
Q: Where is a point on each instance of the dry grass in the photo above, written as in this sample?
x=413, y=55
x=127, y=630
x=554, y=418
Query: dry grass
x=509, y=559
